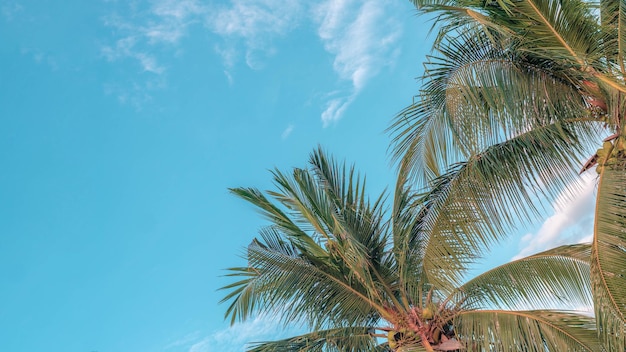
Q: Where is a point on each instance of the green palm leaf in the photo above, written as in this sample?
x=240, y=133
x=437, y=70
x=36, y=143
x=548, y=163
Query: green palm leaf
x=478, y=94
x=461, y=215
x=278, y=275
x=350, y=339
x=501, y=330
x=408, y=241
x=563, y=31
x=613, y=20
x=328, y=260
x=554, y=279
x=281, y=220
x=608, y=263
x=336, y=240
x=501, y=70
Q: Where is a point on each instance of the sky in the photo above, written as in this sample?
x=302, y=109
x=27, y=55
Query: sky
x=124, y=123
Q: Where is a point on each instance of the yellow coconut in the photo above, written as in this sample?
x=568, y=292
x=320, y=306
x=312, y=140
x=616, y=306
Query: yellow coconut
x=391, y=338
x=427, y=313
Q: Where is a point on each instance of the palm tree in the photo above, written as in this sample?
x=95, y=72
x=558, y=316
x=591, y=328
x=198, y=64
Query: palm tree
x=362, y=277
x=514, y=96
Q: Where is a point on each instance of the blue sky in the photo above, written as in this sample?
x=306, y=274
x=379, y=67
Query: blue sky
x=123, y=123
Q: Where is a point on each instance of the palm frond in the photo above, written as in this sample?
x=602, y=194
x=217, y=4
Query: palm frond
x=348, y=339
x=554, y=279
x=565, y=30
x=358, y=225
x=243, y=293
x=346, y=190
x=316, y=215
x=460, y=15
x=461, y=215
x=608, y=264
x=408, y=240
x=329, y=261
x=478, y=94
x=279, y=278
x=281, y=220
x=613, y=21
x=580, y=252
x=560, y=30
x=324, y=256
x=501, y=330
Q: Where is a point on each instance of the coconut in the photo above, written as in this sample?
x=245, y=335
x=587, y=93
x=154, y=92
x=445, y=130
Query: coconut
x=391, y=338
x=427, y=313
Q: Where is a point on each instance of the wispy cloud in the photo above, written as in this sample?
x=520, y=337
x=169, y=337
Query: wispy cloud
x=234, y=338
x=287, y=132
x=135, y=93
x=10, y=9
x=254, y=19
x=165, y=22
x=126, y=48
x=362, y=36
x=253, y=25
x=147, y=36
x=572, y=221
x=41, y=57
x=184, y=341
x=336, y=107
x=173, y=18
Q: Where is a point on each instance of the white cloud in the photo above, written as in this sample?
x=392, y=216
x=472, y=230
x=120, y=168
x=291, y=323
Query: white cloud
x=143, y=35
x=228, y=53
x=572, y=221
x=136, y=94
x=361, y=36
x=177, y=9
x=10, y=9
x=234, y=338
x=287, y=132
x=41, y=58
x=254, y=19
x=164, y=23
x=173, y=18
x=255, y=23
x=125, y=48
x=229, y=77
x=335, y=108
x=185, y=340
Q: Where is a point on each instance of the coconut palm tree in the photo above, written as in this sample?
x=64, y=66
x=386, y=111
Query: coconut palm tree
x=515, y=96
x=362, y=277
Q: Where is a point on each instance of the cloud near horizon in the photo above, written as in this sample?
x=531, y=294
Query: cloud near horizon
x=234, y=338
x=572, y=221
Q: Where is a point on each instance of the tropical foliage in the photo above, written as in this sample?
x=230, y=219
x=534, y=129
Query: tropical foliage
x=363, y=277
x=514, y=95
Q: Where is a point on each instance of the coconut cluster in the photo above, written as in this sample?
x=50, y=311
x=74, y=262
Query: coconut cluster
x=612, y=154
x=432, y=323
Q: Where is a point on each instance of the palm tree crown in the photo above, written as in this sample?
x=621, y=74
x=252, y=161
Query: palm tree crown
x=363, y=277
